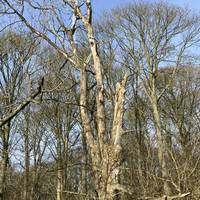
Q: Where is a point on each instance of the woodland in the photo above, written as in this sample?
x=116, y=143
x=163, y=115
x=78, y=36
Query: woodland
x=99, y=107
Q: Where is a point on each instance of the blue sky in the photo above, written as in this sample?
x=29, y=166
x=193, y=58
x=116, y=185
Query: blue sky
x=100, y=5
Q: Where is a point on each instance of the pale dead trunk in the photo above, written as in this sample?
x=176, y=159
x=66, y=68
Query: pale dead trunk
x=106, y=176
x=106, y=158
x=114, y=186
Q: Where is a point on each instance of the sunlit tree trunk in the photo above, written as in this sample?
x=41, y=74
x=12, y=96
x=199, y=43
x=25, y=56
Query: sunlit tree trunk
x=59, y=155
x=106, y=157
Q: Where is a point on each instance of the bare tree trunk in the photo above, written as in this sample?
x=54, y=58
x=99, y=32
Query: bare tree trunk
x=27, y=165
x=35, y=180
x=26, y=158
x=84, y=168
x=59, y=184
x=106, y=176
x=59, y=156
x=116, y=158
x=106, y=158
x=92, y=144
x=36, y=164
x=161, y=146
x=5, y=160
x=65, y=167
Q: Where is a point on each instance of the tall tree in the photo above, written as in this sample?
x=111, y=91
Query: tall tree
x=152, y=36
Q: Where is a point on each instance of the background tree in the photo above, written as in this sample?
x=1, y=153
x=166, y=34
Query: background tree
x=16, y=54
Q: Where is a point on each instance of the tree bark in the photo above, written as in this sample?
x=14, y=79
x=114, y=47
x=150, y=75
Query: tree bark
x=27, y=166
x=162, y=155
x=5, y=160
x=59, y=156
x=106, y=157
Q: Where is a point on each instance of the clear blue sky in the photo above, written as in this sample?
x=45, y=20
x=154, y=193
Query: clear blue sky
x=100, y=5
